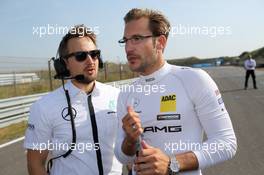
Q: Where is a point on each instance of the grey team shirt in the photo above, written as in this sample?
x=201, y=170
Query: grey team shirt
x=50, y=128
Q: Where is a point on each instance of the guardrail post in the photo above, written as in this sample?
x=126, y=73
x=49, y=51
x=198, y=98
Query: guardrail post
x=120, y=71
x=15, y=86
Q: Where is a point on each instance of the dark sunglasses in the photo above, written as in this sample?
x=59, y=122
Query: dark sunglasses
x=81, y=56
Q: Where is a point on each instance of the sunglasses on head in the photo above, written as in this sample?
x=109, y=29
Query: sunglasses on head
x=82, y=55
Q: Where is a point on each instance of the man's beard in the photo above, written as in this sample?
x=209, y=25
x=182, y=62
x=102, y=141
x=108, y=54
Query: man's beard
x=144, y=64
x=87, y=80
x=140, y=68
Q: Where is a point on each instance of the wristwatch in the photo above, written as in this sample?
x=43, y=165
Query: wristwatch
x=174, y=167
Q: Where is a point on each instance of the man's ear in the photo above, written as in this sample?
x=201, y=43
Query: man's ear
x=161, y=42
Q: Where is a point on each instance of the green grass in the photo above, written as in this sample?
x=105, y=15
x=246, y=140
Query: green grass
x=12, y=131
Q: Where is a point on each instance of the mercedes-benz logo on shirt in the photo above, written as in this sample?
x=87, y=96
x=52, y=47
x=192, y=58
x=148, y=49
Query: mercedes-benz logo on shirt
x=135, y=102
x=66, y=115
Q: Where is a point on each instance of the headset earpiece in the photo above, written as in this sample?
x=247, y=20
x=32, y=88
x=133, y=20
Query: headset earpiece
x=101, y=63
x=60, y=68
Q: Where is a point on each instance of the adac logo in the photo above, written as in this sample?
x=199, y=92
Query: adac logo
x=136, y=102
x=168, y=103
x=168, y=98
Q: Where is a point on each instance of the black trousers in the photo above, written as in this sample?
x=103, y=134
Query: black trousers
x=252, y=73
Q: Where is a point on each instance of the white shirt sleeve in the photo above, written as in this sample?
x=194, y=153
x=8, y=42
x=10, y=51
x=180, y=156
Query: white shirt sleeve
x=121, y=112
x=221, y=141
x=254, y=63
x=39, y=130
x=245, y=65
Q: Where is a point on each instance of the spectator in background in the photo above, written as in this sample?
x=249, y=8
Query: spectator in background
x=250, y=65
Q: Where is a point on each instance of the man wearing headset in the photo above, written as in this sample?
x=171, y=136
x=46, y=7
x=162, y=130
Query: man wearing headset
x=162, y=132
x=93, y=112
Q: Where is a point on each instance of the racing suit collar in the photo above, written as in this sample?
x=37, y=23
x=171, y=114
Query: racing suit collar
x=155, y=76
x=74, y=91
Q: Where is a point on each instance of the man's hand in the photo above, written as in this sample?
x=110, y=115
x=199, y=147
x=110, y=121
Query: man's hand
x=151, y=161
x=132, y=125
x=133, y=129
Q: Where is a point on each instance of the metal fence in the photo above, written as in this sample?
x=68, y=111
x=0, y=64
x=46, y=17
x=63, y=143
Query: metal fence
x=17, y=78
x=22, y=84
x=16, y=109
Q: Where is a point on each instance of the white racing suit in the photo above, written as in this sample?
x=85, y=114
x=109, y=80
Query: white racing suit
x=176, y=106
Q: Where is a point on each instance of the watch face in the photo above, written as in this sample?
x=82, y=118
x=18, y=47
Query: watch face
x=174, y=166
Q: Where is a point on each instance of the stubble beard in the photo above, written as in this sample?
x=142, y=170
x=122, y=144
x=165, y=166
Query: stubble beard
x=87, y=80
x=145, y=65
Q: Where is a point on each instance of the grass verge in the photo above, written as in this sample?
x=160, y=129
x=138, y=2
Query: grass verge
x=12, y=131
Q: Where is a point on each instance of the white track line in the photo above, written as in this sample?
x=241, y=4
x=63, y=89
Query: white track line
x=11, y=142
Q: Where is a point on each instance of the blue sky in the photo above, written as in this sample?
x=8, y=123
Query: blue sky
x=241, y=23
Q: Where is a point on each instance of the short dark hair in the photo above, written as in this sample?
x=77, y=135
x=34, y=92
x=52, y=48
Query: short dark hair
x=158, y=23
x=74, y=32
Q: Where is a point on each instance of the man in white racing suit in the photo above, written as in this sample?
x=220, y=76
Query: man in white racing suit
x=163, y=114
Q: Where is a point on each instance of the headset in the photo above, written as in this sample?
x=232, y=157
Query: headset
x=61, y=70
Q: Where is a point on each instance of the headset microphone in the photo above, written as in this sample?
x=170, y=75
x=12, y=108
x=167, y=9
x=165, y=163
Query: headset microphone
x=78, y=77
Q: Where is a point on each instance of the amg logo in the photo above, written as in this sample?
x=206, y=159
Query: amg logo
x=168, y=98
x=164, y=129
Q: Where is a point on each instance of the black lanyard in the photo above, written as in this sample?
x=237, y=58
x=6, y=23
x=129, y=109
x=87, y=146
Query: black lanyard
x=50, y=163
x=95, y=135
